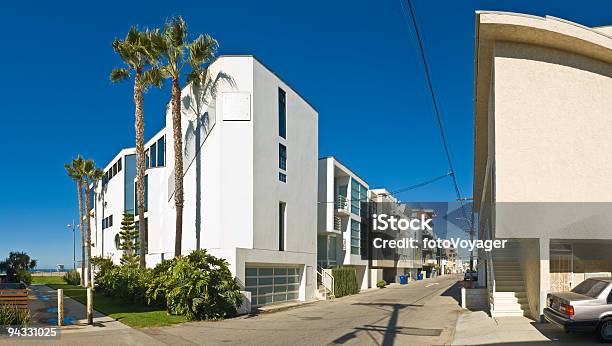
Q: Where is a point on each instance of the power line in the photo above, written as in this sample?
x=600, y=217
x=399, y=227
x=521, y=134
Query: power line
x=404, y=189
x=435, y=105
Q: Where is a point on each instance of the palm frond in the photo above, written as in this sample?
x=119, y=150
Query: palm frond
x=175, y=31
x=151, y=77
x=202, y=50
x=119, y=74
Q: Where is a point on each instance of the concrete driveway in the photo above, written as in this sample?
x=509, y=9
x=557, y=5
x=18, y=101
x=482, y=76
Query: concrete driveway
x=422, y=313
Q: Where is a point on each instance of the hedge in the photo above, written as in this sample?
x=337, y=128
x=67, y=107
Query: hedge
x=345, y=281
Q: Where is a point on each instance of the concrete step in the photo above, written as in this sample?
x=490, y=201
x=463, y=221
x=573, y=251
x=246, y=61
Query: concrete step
x=506, y=306
x=509, y=288
x=511, y=300
x=506, y=283
x=502, y=313
x=510, y=294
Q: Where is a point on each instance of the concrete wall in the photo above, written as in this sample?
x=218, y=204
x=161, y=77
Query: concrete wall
x=550, y=133
x=530, y=268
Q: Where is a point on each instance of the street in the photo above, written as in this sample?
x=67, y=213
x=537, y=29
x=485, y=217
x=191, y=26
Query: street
x=422, y=313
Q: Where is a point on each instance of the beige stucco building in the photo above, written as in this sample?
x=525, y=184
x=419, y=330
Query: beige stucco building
x=542, y=156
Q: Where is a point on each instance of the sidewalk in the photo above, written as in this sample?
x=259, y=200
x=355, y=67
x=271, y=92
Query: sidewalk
x=477, y=328
x=105, y=330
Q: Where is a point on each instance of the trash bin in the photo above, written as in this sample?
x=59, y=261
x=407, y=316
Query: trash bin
x=403, y=279
x=420, y=276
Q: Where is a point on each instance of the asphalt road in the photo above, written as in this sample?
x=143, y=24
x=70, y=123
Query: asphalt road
x=423, y=313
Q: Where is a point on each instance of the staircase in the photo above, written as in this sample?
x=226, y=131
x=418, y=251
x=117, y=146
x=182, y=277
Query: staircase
x=324, y=293
x=510, y=297
x=325, y=284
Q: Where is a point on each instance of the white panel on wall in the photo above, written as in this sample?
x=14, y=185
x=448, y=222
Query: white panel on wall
x=236, y=106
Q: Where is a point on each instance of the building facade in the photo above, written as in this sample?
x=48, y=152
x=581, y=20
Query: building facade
x=341, y=216
x=250, y=180
x=542, y=151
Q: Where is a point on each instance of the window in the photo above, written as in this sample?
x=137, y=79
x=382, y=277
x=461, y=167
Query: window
x=358, y=194
x=281, y=226
x=153, y=152
x=155, y=155
x=119, y=165
x=117, y=241
x=107, y=222
x=282, y=157
x=282, y=113
x=282, y=177
x=355, y=237
x=161, y=151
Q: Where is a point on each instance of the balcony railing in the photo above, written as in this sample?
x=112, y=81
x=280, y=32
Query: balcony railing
x=337, y=223
x=342, y=204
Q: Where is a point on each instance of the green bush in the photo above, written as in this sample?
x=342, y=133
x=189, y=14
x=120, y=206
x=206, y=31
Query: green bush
x=72, y=277
x=345, y=281
x=12, y=316
x=381, y=283
x=198, y=286
x=126, y=282
x=23, y=276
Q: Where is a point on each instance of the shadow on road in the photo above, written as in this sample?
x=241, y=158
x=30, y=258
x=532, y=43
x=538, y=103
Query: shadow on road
x=391, y=329
x=454, y=292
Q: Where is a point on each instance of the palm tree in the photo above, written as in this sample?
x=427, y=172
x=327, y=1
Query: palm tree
x=178, y=53
x=91, y=176
x=75, y=171
x=140, y=56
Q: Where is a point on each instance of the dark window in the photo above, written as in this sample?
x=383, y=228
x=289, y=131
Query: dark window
x=161, y=151
x=119, y=165
x=147, y=161
x=281, y=226
x=282, y=177
x=153, y=155
x=282, y=157
x=282, y=113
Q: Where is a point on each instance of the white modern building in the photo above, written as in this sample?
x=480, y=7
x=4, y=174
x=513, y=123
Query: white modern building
x=407, y=261
x=250, y=181
x=341, y=238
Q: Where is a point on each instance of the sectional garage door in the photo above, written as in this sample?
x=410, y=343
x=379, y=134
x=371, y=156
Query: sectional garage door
x=272, y=284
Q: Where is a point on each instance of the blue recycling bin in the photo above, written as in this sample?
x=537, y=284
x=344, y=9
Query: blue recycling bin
x=403, y=279
x=420, y=276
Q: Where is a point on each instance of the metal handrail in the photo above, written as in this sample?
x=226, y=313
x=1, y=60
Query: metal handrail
x=322, y=274
x=341, y=202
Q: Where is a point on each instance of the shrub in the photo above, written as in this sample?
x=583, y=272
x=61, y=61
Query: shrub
x=126, y=282
x=381, y=283
x=23, y=276
x=11, y=316
x=72, y=277
x=345, y=281
x=198, y=286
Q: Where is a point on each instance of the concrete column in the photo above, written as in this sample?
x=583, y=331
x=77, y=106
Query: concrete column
x=544, y=274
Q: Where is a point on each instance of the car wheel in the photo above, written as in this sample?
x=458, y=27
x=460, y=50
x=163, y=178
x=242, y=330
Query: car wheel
x=605, y=330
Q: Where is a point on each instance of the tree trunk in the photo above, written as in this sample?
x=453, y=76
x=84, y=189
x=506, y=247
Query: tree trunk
x=140, y=165
x=82, y=229
x=178, y=164
x=88, y=219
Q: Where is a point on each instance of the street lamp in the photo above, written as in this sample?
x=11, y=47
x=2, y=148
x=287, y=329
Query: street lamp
x=73, y=227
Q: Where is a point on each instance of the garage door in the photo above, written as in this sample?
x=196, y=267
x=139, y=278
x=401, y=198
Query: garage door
x=272, y=284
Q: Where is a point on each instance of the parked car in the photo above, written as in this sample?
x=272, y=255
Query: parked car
x=470, y=275
x=586, y=308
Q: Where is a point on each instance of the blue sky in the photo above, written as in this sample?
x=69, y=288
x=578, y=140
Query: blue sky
x=355, y=61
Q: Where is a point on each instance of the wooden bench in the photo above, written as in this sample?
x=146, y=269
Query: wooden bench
x=17, y=297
